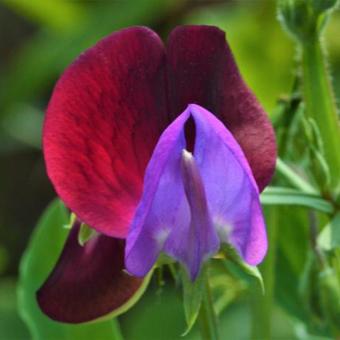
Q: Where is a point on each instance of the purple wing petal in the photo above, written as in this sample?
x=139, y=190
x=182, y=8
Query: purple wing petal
x=163, y=202
x=231, y=190
x=186, y=200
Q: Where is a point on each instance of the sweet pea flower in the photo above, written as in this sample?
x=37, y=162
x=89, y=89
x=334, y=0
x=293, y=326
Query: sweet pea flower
x=160, y=150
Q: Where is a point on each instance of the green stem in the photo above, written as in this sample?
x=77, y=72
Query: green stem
x=207, y=316
x=261, y=327
x=320, y=103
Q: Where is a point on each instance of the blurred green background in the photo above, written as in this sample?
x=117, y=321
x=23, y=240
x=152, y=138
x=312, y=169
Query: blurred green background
x=38, y=39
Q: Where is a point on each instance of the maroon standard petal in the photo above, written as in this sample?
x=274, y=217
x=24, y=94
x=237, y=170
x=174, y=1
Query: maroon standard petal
x=202, y=70
x=102, y=123
x=87, y=282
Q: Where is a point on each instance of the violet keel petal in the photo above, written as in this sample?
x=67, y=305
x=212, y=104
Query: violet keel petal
x=198, y=240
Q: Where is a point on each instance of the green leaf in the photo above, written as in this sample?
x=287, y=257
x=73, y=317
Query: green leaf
x=236, y=266
x=294, y=179
x=192, y=297
x=329, y=238
x=39, y=258
x=286, y=196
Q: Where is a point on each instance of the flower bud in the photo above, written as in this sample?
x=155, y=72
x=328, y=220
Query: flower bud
x=304, y=19
x=297, y=17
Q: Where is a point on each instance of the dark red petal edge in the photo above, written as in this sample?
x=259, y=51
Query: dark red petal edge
x=88, y=282
x=202, y=70
x=103, y=120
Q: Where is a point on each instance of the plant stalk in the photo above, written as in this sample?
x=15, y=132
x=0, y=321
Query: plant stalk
x=320, y=103
x=262, y=304
x=207, y=317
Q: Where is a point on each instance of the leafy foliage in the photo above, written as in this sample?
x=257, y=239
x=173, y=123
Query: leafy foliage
x=46, y=243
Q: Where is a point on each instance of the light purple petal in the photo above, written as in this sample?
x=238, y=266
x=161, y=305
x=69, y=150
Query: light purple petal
x=232, y=193
x=187, y=200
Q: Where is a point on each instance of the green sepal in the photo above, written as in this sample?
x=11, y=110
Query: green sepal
x=164, y=259
x=329, y=237
x=238, y=268
x=296, y=17
x=192, y=296
x=70, y=221
x=304, y=19
x=85, y=234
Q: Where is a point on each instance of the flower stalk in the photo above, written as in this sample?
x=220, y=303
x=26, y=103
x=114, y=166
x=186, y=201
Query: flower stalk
x=208, y=322
x=262, y=304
